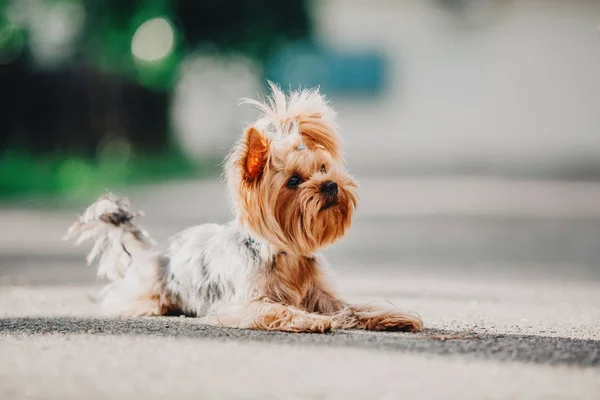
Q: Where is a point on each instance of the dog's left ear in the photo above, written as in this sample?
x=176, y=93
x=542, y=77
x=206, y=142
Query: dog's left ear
x=257, y=148
x=319, y=131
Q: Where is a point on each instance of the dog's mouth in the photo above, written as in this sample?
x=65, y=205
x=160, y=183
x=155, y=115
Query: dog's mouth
x=329, y=202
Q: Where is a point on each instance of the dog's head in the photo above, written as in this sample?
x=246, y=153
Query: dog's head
x=287, y=177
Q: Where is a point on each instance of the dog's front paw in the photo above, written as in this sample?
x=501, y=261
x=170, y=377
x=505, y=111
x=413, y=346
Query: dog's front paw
x=303, y=322
x=381, y=319
x=404, y=323
x=321, y=326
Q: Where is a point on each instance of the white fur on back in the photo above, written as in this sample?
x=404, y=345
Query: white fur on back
x=209, y=258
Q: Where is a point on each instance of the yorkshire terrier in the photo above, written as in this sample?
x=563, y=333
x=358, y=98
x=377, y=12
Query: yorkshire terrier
x=291, y=196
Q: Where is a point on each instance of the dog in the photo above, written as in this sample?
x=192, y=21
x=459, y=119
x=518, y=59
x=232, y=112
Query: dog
x=291, y=195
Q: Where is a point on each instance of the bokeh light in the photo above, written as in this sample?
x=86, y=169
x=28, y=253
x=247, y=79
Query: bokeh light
x=205, y=113
x=53, y=28
x=153, y=40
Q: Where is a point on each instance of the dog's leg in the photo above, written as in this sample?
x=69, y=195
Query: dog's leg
x=346, y=316
x=375, y=318
x=323, y=300
x=267, y=315
x=140, y=293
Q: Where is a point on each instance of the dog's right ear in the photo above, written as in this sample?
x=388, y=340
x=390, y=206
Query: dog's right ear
x=256, y=151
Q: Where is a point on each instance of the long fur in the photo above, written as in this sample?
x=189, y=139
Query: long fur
x=305, y=112
x=263, y=270
x=109, y=223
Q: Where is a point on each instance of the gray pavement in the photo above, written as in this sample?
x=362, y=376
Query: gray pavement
x=505, y=273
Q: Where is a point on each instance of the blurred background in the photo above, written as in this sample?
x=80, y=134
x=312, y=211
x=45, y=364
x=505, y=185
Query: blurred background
x=113, y=92
x=473, y=126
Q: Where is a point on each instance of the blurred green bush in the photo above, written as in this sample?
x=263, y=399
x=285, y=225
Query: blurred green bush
x=78, y=74
x=64, y=174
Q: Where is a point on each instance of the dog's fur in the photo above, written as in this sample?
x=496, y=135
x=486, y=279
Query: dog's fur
x=263, y=269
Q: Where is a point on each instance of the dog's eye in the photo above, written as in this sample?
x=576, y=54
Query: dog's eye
x=323, y=170
x=294, y=182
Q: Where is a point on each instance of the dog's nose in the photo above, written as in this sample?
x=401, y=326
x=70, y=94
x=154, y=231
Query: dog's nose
x=329, y=188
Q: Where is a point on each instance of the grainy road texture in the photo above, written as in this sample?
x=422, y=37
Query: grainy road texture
x=506, y=275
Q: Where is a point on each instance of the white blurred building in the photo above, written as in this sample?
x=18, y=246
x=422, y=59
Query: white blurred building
x=509, y=85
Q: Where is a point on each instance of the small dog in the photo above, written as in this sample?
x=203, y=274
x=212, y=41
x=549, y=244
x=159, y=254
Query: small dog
x=291, y=196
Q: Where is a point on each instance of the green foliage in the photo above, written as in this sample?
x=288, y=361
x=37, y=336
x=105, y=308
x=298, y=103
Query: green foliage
x=24, y=174
x=99, y=87
x=108, y=41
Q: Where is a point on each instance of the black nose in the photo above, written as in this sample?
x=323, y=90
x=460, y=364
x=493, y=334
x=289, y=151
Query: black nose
x=329, y=188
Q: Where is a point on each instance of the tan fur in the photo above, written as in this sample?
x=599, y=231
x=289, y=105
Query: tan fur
x=316, y=133
x=293, y=219
x=288, y=223
x=293, y=294
x=265, y=314
x=289, y=281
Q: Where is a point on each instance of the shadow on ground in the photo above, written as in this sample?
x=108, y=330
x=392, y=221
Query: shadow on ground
x=521, y=348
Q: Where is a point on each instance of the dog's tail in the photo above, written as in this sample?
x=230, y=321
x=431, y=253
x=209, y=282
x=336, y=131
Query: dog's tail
x=117, y=239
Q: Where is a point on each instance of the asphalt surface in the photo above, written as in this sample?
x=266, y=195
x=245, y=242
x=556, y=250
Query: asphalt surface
x=499, y=347
x=506, y=275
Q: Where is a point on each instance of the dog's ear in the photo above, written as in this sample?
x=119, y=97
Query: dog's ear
x=257, y=149
x=319, y=131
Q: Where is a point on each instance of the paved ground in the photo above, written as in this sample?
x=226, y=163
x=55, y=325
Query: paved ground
x=506, y=275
